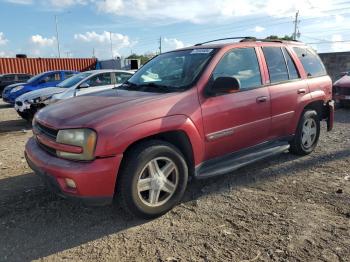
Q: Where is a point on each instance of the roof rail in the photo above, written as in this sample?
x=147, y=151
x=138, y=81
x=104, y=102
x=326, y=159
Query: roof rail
x=228, y=38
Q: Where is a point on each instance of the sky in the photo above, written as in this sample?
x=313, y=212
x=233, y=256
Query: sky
x=86, y=27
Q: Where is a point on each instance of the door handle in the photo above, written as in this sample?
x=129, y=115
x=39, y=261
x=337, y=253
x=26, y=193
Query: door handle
x=302, y=91
x=261, y=99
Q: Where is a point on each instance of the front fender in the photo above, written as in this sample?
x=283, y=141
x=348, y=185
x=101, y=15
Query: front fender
x=122, y=140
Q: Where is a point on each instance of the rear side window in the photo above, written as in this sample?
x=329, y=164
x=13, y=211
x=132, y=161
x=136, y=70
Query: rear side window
x=292, y=70
x=122, y=77
x=276, y=64
x=100, y=80
x=310, y=61
x=242, y=64
x=68, y=75
x=8, y=78
x=23, y=77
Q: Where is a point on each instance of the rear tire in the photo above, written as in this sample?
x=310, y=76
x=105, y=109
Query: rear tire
x=152, y=180
x=307, y=134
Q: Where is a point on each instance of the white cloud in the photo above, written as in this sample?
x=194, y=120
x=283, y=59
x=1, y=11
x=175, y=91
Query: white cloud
x=66, y=3
x=104, y=37
x=3, y=39
x=100, y=42
x=173, y=43
x=259, y=29
x=201, y=11
x=20, y=2
x=339, y=46
x=42, y=41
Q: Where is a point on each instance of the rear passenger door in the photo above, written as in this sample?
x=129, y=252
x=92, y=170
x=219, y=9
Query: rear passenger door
x=287, y=90
x=237, y=120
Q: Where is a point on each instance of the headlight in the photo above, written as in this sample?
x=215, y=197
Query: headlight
x=17, y=88
x=85, y=138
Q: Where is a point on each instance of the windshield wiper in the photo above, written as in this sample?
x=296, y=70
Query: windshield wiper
x=153, y=87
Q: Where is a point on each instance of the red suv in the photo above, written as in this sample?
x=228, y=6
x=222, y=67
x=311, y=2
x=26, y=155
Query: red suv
x=197, y=112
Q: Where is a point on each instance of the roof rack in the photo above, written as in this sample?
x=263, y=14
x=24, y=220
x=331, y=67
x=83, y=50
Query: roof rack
x=246, y=39
x=228, y=38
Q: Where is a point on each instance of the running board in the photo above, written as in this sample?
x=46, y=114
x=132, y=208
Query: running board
x=235, y=161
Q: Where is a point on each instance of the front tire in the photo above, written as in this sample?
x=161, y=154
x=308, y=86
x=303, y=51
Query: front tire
x=152, y=180
x=307, y=134
x=27, y=115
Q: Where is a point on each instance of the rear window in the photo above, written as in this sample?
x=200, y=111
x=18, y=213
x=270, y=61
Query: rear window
x=276, y=64
x=310, y=61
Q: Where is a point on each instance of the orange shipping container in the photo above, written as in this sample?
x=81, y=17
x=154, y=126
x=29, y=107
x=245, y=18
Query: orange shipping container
x=38, y=65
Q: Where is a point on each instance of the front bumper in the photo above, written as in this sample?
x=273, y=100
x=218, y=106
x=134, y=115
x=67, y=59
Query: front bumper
x=21, y=106
x=341, y=97
x=95, y=181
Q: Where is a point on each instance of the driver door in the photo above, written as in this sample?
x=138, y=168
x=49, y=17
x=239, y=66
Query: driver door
x=97, y=83
x=234, y=121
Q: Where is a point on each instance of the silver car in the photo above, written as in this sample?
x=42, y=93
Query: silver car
x=84, y=83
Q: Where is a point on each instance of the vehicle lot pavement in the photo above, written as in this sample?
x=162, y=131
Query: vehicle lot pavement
x=283, y=209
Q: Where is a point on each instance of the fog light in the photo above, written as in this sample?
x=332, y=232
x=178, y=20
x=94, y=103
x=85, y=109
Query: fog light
x=70, y=183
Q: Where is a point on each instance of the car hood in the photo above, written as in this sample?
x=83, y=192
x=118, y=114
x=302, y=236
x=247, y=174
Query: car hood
x=44, y=92
x=9, y=87
x=343, y=82
x=100, y=109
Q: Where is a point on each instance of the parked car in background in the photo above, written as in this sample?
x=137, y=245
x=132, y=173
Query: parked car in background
x=198, y=112
x=43, y=80
x=10, y=79
x=84, y=83
x=341, y=90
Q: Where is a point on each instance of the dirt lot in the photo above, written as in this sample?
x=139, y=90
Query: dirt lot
x=283, y=209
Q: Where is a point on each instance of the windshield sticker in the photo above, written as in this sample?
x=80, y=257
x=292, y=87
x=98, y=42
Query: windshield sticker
x=201, y=51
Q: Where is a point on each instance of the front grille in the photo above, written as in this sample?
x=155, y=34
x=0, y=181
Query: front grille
x=50, y=150
x=46, y=131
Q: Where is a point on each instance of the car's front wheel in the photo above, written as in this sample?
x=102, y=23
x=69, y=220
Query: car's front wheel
x=307, y=134
x=153, y=179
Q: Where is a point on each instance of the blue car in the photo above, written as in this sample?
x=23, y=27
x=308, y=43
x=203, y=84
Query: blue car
x=43, y=80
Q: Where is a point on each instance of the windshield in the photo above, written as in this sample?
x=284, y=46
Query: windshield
x=170, y=72
x=69, y=82
x=35, y=78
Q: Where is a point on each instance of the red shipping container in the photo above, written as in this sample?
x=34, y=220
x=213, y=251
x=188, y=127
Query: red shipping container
x=38, y=65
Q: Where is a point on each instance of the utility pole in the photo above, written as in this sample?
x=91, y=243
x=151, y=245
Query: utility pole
x=160, y=45
x=110, y=37
x=296, y=29
x=57, y=38
x=93, y=52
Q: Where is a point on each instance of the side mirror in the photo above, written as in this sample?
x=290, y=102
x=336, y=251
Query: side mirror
x=224, y=85
x=84, y=85
x=344, y=73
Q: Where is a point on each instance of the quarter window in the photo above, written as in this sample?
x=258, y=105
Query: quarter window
x=242, y=64
x=311, y=62
x=100, y=80
x=122, y=77
x=276, y=64
x=293, y=72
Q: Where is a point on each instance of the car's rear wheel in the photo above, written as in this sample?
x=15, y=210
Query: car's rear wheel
x=153, y=179
x=307, y=134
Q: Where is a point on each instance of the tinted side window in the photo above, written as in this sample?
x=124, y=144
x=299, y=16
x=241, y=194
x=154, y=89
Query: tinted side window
x=8, y=78
x=68, y=75
x=311, y=62
x=122, y=77
x=100, y=80
x=53, y=77
x=23, y=77
x=293, y=72
x=242, y=64
x=276, y=64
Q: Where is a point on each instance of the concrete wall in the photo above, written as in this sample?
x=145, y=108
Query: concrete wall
x=336, y=63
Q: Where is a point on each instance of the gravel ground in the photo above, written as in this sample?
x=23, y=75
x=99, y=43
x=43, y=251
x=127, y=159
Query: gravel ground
x=283, y=209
